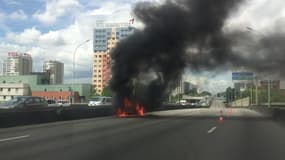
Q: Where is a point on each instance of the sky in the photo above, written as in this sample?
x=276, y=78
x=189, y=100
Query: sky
x=51, y=29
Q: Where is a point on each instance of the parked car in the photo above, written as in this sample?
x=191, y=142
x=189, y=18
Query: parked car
x=27, y=102
x=63, y=103
x=100, y=101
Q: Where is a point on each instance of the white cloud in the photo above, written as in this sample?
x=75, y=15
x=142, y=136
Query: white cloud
x=55, y=9
x=18, y=15
x=214, y=83
x=28, y=36
x=258, y=14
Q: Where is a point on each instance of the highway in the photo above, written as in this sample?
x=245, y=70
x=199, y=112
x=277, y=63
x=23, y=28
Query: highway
x=214, y=133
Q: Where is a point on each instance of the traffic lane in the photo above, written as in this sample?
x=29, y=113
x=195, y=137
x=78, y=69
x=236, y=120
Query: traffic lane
x=217, y=104
x=147, y=138
x=89, y=144
x=232, y=139
x=54, y=131
x=247, y=139
x=215, y=113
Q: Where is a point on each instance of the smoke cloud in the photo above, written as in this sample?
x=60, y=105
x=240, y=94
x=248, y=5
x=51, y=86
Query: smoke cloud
x=180, y=34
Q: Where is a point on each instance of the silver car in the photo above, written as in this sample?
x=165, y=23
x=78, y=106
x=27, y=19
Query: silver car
x=24, y=102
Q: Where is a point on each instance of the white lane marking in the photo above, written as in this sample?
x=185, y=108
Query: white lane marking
x=212, y=130
x=14, y=138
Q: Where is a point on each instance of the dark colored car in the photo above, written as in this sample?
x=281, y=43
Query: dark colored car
x=24, y=102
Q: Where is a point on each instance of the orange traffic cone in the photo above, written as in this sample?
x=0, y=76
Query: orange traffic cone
x=221, y=119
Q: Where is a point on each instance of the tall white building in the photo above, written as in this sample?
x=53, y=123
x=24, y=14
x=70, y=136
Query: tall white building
x=18, y=64
x=56, y=71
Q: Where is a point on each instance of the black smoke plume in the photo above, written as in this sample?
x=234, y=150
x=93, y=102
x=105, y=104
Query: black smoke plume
x=179, y=34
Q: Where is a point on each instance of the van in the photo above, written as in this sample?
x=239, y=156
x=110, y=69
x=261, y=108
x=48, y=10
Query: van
x=100, y=101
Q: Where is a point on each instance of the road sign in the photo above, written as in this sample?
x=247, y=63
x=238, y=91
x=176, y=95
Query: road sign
x=242, y=76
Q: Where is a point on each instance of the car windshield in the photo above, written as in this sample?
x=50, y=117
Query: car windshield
x=142, y=79
x=97, y=99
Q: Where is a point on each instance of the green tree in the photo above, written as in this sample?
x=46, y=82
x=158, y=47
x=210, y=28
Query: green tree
x=205, y=93
x=107, y=92
x=193, y=92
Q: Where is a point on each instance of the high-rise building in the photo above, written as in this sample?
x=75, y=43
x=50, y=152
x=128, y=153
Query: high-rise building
x=17, y=64
x=183, y=87
x=56, y=71
x=106, y=36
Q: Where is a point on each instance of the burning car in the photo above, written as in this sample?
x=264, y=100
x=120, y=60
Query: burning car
x=130, y=109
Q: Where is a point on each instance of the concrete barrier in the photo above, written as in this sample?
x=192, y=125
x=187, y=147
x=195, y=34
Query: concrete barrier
x=15, y=117
x=240, y=103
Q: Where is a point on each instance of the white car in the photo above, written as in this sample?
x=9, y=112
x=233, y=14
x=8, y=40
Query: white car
x=100, y=101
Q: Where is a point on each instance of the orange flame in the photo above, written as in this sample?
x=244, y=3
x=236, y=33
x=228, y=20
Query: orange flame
x=130, y=109
x=120, y=113
x=140, y=110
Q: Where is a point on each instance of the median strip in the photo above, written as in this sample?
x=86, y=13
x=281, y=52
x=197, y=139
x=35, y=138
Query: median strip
x=14, y=138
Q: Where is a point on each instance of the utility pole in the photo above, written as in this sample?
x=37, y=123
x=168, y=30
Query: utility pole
x=269, y=94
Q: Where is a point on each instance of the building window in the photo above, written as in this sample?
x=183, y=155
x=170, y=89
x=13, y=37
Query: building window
x=60, y=90
x=16, y=89
x=9, y=89
x=12, y=97
x=4, y=81
x=100, y=76
x=4, y=97
x=100, y=56
x=45, y=89
x=1, y=89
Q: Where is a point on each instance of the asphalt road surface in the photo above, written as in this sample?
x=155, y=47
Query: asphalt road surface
x=189, y=134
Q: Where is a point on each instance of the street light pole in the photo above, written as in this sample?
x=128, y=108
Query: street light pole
x=73, y=69
x=256, y=91
x=269, y=94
